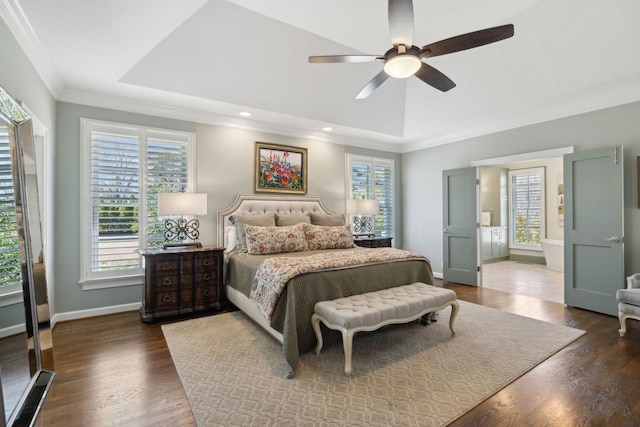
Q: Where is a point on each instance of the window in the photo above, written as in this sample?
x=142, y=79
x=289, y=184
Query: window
x=10, y=272
x=372, y=178
x=526, y=206
x=125, y=167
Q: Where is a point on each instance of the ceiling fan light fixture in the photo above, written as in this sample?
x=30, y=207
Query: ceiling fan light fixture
x=402, y=66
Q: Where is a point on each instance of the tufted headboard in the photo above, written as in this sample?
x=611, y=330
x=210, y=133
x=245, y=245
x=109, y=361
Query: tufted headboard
x=247, y=204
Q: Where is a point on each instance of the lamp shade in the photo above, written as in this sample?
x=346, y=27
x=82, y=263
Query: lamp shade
x=362, y=206
x=182, y=204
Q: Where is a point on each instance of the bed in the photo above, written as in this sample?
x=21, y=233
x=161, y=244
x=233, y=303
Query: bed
x=290, y=319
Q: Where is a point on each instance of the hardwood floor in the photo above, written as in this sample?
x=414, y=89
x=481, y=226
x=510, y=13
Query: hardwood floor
x=113, y=370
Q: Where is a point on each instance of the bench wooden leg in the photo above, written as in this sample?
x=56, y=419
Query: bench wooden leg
x=454, y=312
x=347, y=343
x=315, y=323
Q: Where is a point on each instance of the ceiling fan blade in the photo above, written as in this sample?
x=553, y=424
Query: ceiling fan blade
x=467, y=41
x=344, y=58
x=374, y=84
x=435, y=78
x=401, y=22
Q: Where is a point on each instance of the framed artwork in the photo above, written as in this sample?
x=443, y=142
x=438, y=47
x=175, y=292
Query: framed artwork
x=280, y=169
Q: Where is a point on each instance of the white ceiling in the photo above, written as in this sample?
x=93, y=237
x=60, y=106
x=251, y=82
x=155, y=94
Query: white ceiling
x=207, y=61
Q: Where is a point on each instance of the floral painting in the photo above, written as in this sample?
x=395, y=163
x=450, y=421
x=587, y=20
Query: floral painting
x=281, y=169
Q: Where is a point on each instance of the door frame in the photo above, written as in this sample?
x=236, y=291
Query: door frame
x=515, y=158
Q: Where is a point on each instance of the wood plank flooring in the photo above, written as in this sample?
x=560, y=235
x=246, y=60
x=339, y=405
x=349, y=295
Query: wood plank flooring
x=113, y=370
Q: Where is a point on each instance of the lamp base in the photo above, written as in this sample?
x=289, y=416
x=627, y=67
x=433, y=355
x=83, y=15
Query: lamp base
x=182, y=245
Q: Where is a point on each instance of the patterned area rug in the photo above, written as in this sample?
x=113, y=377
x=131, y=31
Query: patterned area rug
x=403, y=375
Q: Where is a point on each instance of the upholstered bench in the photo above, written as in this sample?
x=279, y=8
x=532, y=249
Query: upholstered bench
x=372, y=310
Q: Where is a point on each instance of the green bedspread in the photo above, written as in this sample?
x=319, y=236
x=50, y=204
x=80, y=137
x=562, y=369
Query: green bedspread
x=292, y=316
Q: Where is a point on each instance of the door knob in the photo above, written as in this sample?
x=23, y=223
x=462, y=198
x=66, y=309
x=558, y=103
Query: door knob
x=445, y=230
x=613, y=239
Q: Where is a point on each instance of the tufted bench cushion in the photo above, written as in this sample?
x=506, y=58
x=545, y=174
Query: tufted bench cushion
x=372, y=310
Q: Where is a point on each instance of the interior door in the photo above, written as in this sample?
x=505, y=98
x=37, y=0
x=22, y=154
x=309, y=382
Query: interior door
x=461, y=263
x=594, y=227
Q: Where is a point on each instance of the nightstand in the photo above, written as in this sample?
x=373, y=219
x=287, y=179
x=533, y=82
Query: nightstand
x=373, y=242
x=181, y=281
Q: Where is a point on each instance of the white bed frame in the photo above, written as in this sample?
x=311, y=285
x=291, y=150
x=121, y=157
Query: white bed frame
x=248, y=204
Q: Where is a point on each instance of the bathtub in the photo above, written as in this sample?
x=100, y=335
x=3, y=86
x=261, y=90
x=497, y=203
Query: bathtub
x=553, y=253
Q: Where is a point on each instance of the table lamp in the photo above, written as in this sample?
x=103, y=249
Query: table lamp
x=181, y=203
x=362, y=211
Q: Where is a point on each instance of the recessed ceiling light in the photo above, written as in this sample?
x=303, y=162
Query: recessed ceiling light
x=245, y=114
x=327, y=129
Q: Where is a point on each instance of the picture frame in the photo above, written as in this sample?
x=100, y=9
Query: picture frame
x=280, y=169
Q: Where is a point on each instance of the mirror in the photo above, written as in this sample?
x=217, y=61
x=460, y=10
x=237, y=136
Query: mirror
x=26, y=351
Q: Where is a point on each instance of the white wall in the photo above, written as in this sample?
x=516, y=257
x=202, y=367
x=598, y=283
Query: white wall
x=422, y=171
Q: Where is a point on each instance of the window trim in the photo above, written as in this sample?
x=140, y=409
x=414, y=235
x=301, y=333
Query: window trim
x=350, y=158
x=543, y=207
x=90, y=280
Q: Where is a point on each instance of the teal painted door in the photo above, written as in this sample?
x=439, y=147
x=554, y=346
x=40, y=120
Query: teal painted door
x=594, y=241
x=460, y=226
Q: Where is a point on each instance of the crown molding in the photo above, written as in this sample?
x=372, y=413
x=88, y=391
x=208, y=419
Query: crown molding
x=19, y=25
x=199, y=114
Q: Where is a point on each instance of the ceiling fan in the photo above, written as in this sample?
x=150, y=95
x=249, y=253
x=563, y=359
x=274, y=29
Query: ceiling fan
x=404, y=59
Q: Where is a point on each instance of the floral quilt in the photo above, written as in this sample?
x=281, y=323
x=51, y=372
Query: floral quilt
x=274, y=273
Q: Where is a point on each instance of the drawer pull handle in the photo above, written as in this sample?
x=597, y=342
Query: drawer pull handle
x=205, y=293
x=205, y=276
x=166, y=298
x=205, y=262
x=166, y=266
x=166, y=282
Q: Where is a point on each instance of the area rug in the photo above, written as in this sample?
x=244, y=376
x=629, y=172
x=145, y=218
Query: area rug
x=403, y=375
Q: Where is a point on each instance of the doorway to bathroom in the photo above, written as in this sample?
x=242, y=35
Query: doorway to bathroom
x=521, y=207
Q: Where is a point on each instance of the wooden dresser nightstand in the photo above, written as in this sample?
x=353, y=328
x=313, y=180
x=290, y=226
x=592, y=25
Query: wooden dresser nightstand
x=373, y=242
x=180, y=281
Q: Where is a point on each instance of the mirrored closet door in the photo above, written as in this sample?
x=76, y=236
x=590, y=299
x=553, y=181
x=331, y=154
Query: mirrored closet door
x=26, y=350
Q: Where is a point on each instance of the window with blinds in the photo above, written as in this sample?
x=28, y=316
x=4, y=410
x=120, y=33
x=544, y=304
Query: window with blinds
x=126, y=168
x=527, y=207
x=10, y=273
x=372, y=178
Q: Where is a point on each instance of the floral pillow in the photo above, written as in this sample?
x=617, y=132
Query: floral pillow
x=273, y=240
x=328, y=237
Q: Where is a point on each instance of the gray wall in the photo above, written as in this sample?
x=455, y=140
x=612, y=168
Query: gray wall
x=224, y=169
x=422, y=170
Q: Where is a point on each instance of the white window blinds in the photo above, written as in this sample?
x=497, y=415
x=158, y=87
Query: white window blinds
x=526, y=206
x=372, y=178
x=9, y=250
x=128, y=167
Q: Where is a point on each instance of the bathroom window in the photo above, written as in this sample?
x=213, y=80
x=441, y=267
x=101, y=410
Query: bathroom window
x=526, y=208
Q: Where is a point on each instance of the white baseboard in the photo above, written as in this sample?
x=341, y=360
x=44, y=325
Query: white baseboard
x=92, y=312
x=437, y=275
x=13, y=330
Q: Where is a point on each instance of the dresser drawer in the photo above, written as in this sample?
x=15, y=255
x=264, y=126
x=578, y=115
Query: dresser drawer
x=163, y=265
x=206, y=261
x=167, y=282
x=166, y=300
x=207, y=277
x=206, y=296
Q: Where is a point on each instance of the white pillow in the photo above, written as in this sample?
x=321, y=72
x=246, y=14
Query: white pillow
x=230, y=239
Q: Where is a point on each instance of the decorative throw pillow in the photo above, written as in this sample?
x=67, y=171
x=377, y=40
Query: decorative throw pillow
x=329, y=220
x=273, y=240
x=292, y=219
x=328, y=237
x=262, y=220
